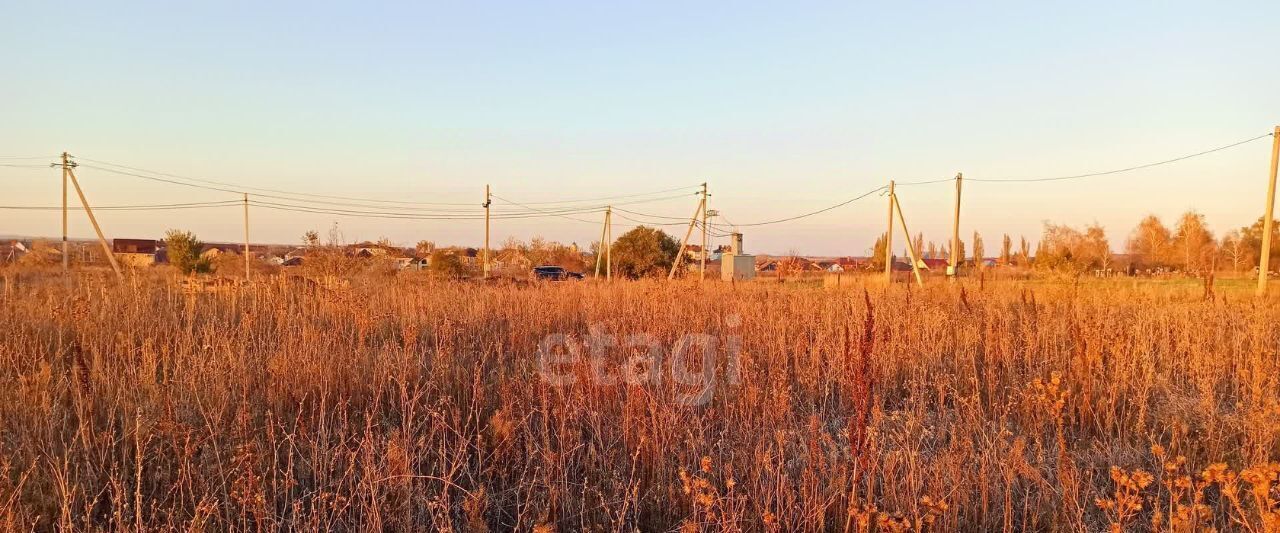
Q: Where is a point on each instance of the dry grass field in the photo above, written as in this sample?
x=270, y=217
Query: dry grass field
x=406, y=404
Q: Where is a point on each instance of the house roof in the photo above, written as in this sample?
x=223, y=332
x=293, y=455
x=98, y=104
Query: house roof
x=134, y=246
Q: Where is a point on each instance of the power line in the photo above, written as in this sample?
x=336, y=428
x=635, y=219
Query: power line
x=242, y=188
x=437, y=211
x=536, y=209
x=650, y=215
x=20, y=165
x=140, y=207
x=650, y=223
x=50, y=157
x=812, y=213
x=163, y=180
x=407, y=216
x=1126, y=169
x=239, y=189
x=923, y=182
x=606, y=198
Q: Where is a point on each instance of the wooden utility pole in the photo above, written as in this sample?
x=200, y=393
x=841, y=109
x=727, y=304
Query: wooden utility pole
x=954, y=269
x=246, y=236
x=106, y=247
x=1264, y=258
x=66, y=255
x=911, y=246
x=888, y=240
x=608, y=249
x=487, y=200
x=693, y=221
x=702, y=264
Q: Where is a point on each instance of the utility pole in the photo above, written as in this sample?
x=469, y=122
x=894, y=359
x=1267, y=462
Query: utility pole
x=246, y=237
x=702, y=265
x=1264, y=258
x=66, y=256
x=911, y=246
x=487, y=200
x=92, y=220
x=604, y=252
x=693, y=221
x=608, y=249
x=604, y=232
x=888, y=240
x=953, y=271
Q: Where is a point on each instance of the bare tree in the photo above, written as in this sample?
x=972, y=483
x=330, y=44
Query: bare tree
x=1150, y=241
x=1236, y=250
x=1097, y=250
x=1191, y=240
x=977, y=251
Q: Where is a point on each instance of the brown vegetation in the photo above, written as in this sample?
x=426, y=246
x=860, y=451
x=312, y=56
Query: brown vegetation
x=410, y=403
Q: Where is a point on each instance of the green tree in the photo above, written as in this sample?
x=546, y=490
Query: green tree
x=644, y=251
x=183, y=249
x=1006, y=251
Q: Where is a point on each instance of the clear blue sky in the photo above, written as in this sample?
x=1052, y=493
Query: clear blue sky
x=781, y=108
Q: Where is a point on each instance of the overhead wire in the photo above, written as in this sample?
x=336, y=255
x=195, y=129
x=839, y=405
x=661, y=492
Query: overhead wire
x=243, y=188
x=816, y=212
x=1126, y=169
x=561, y=208
x=564, y=216
x=138, y=207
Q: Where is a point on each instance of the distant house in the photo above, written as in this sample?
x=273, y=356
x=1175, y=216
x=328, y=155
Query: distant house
x=135, y=252
x=214, y=249
x=373, y=249
x=843, y=264
x=468, y=256
x=693, y=252
x=933, y=264
x=514, y=260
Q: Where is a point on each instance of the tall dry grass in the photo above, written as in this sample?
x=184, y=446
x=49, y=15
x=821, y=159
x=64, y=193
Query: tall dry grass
x=407, y=404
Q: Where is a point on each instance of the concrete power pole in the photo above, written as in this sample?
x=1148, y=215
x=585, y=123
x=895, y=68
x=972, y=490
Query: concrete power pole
x=102, y=239
x=608, y=249
x=1264, y=258
x=702, y=265
x=604, y=233
x=604, y=253
x=888, y=240
x=246, y=237
x=66, y=257
x=684, y=243
x=487, y=200
x=911, y=246
x=954, y=270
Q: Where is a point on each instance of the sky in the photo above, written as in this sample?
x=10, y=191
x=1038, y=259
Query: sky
x=782, y=109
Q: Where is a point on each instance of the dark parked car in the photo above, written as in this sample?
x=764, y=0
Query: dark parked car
x=554, y=273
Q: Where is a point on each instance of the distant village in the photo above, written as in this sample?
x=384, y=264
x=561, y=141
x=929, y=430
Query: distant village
x=512, y=258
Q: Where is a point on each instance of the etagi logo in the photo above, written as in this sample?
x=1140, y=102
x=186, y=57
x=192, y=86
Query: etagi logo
x=691, y=361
